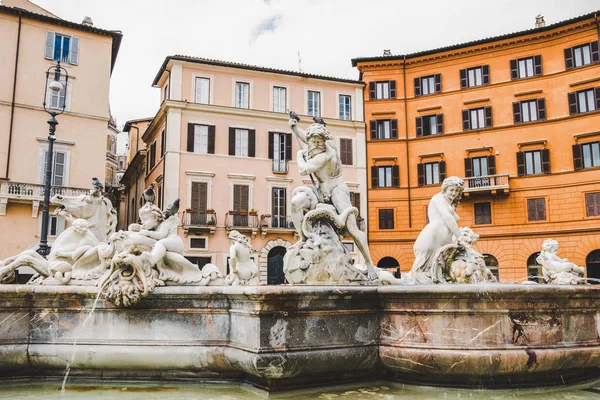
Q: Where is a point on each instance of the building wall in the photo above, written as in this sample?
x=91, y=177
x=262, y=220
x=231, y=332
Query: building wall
x=220, y=170
x=81, y=130
x=510, y=237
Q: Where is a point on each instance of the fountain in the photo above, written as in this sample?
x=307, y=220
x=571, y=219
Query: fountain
x=157, y=317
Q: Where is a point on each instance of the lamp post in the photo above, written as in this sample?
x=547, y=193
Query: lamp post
x=54, y=107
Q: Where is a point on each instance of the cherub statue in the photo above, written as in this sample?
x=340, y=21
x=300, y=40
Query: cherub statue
x=243, y=269
x=556, y=270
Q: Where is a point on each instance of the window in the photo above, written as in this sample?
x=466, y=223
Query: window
x=345, y=113
x=198, y=203
x=278, y=209
x=203, y=91
x=355, y=201
x=483, y=213
x=56, y=226
x=279, y=99
x=62, y=47
x=579, y=56
x=586, y=155
x=533, y=162
x=430, y=125
x=584, y=101
x=382, y=90
x=346, y=151
x=534, y=269
x=476, y=76
x=280, y=150
x=152, y=155
x=592, y=204
x=536, y=209
x=428, y=85
x=242, y=95
x=163, y=143
x=386, y=219
x=57, y=100
x=480, y=167
x=314, y=100
x=240, y=205
x=388, y=176
x=201, y=139
x=166, y=93
x=526, y=67
x=241, y=142
x=59, y=169
x=160, y=197
x=530, y=110
x=477, y=118
x=431, y=173
x=384, y=129
x=198, y=243
x=492, y=264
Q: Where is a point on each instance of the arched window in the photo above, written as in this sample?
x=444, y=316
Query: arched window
x=390, y=263
x=534, y=269
x=492, y=264
x=592, y=266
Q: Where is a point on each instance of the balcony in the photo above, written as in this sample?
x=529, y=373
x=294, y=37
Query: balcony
x=490, y=184
x=280, y=167
x=198, y=222
x=31, y=192
x=281, y=224
x=242, y=221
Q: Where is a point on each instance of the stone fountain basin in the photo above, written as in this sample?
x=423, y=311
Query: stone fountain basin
x=294, y=336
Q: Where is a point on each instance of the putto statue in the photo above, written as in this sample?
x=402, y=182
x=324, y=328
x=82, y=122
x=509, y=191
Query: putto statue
x=556, y=270
x=443, y=252
x=321, y=214
x=126, y=265
x=244, y=271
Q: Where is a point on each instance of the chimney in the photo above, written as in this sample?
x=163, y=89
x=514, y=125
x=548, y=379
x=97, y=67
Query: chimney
x=539, y=21
x=87, y=21
x=387, y=52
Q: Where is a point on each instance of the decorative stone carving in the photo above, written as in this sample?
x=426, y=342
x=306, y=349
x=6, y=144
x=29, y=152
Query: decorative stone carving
x=127, y=265
x=322, y=213
x=244, y=271
x=556, y=270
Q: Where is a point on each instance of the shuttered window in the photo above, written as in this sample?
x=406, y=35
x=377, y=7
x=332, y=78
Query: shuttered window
x=201, y=139
x=533, y=162
x=477, y=118
x=536, y=209
x=199, y=196
x=346, y=151
x=586, y=155
x=526, y=67
x=382, y=90
x=429, y=125
x=592, y=204
x=483, y=213
x=584, y=101
x=384, y=129
x=385, y=176
x=62, y=47
x=386, y=218
x=355, y=201
x=477, y=76
x=581, y=55
x=240, y=197
x=431, y=173
x=242, y=142
x=428, y=85
x=529, y=110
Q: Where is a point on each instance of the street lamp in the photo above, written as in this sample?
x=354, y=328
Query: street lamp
x=54, y=108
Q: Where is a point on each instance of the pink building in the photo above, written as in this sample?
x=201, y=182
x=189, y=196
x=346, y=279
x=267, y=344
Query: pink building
x=220, y=142
x=33, y=40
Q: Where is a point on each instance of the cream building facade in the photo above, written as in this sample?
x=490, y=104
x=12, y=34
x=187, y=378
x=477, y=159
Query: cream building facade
x=220, y=142
x=33, y=40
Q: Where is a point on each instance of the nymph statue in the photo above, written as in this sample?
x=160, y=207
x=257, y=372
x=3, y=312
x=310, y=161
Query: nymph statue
x=321, y=213
x=244, y=271
x=556, y=270
x=439, y=232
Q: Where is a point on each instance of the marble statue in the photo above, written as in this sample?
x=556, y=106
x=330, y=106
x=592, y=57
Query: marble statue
x=443, y=251
x=556, y=270
x=322, y=213
x=126, y=265
x=244, y=271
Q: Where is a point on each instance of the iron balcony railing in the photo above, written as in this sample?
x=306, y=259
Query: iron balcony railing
x=489, y=182
x=32, y=191
x=276, y=221
x=280, y=166
x=199, y=218
x=241, y=219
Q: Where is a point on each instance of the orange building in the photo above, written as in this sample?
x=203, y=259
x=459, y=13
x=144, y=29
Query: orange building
x=517, y=116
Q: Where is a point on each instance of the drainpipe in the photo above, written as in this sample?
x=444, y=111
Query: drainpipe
x=407, y=153
x=162, y=192
x=367, y=172
x=12, y=105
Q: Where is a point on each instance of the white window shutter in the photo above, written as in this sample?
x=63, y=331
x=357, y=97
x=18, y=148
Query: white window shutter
x=42, y=165
x=74, y=51
x=49, y=54
x=69, y=94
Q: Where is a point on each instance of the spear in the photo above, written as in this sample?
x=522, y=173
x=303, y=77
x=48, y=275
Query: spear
x=295, y=116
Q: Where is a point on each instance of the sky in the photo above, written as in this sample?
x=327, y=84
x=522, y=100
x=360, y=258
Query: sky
x=318, y=37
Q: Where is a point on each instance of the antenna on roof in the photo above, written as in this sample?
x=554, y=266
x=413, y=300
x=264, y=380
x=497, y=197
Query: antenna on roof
x=299, y=62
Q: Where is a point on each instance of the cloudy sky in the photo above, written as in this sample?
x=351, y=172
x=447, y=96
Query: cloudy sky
x=327, y=34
